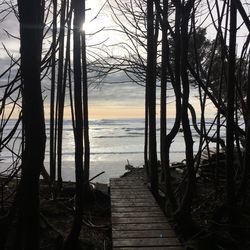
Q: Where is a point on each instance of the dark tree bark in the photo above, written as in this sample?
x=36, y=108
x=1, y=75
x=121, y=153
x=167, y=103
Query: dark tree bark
x=52, y=94
x=230, y=113
x=176, y=82
x=242, y=193
x=151, y=83
x=146, y=133
x=79, y=10
x=85, y=113
x=184, y=209
x=60, y=93
x=31, y=30
x=163, y=108
x=163, y=131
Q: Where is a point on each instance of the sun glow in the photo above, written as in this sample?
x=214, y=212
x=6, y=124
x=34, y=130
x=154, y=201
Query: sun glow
x=91, y=27
x=84, y=27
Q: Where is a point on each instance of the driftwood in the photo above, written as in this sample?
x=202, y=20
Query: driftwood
x=45, y=175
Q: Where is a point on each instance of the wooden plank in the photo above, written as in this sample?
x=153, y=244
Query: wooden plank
x=128, y=177
x=126, y=181
x=117, y=220
x=153, y=226
x=135, y=209
x=133, y=200
x=136, y=199
x=129, y=187
x=168, y=233
x=117, y=192
x=126, y=192
x=149, y=248
x=130, y=204
x=130, y=183
x=147, y=242
x=132, y=196
x=136, y=214
x=129, y=190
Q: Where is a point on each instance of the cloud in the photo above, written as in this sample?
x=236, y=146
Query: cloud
x=9, y=29
x=117, y=90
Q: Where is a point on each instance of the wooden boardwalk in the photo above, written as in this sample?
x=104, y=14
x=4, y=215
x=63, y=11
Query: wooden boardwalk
x=137, y=220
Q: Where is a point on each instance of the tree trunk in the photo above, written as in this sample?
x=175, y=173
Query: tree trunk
x=175, y=78
x=184, y=209
x=163, y=131
x=146, y=134
x=151, y=83
x=79, y=8
x=85, y=113
x=242, y=193
x=31, y=28
x=52, y=94
x=60, y=94
x=230, y=114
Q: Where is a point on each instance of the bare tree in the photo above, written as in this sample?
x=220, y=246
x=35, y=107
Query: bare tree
x=80, y=75
x=31, y=32
x=187, y=198
x=231, y=112
x=151, y=85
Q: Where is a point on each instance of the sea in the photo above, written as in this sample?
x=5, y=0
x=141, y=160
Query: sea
x=113, y=142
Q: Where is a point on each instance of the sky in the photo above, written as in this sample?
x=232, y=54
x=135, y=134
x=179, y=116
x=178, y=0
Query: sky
x=106, y=101
x=116, y=100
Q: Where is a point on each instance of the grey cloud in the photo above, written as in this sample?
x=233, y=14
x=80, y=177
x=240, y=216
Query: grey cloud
x=117, y=90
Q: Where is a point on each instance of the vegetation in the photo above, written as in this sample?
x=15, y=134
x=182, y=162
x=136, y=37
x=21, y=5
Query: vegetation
x=166, y=49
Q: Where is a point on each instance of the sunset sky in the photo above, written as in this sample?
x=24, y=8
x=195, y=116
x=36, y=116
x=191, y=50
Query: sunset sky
x=116, y=100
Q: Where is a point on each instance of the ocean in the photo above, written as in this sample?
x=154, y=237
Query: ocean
x=113, y=143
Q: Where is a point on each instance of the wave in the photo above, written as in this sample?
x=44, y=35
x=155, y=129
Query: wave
x=110, y=122
x=120, y=136
x=136, y=133
x=129, y=129
x=117, y=136
x=116, y=153
x=118, y=122
x=99, y=153
x=7, y=157
x=98, y=128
